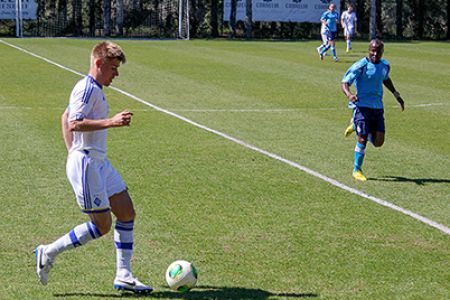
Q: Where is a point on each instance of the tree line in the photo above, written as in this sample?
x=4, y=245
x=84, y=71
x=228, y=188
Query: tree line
x=399, y=19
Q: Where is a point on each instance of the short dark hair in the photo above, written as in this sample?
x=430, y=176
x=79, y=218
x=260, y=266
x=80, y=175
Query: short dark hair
x=377, y=43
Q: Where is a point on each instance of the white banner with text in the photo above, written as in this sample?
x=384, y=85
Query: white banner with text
x=280, y=10
x=8, y=9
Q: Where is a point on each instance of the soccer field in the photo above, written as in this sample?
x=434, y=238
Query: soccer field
x=236, y=160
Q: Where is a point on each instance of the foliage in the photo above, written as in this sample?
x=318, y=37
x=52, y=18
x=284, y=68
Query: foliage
x=420, y=20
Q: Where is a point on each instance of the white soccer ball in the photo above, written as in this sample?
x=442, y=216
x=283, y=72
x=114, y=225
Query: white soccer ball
x=181, y=276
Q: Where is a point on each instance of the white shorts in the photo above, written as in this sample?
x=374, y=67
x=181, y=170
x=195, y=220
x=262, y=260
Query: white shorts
x=349, y=31
x=93, y=180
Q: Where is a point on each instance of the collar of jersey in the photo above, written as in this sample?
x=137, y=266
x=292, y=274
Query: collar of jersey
x=95, y=81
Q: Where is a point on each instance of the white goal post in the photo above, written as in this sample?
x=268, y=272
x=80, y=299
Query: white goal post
x=183, y=19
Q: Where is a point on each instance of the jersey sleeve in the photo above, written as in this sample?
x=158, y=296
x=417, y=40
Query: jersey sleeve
x=81, y=101
x=354, y=72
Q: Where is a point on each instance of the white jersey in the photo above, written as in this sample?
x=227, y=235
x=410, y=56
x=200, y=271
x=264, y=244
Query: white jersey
x=88, y=101
x=349, y=20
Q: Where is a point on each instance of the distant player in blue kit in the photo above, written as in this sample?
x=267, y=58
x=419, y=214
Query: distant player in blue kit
x=98, y=187
x=369, y=75
x=330, y=19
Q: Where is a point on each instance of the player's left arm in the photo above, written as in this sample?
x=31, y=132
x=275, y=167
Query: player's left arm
x=390, y=86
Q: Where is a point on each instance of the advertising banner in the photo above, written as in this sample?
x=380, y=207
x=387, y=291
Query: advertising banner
x=8, y=9
x=281, y=10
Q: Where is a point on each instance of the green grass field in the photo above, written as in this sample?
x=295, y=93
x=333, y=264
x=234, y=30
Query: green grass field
x=255, y=227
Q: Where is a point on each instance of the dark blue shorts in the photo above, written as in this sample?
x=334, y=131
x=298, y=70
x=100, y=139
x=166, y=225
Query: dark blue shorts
x=368, y=120
x=331, y=35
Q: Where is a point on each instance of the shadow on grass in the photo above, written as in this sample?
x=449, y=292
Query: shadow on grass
x=418, y=181
x=200, y=292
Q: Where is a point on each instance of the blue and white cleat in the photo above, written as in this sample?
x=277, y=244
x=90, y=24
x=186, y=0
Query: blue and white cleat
x=43, y=264
x=131, y=284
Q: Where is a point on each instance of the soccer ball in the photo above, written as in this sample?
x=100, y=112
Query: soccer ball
x=181, y=276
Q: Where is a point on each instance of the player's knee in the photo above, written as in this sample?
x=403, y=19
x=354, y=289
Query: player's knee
x=131, y=214
x=378, y=144
x=126, y=216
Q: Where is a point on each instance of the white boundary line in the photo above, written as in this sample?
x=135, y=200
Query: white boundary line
x=336, y=183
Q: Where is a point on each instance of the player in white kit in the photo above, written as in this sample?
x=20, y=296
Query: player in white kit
x=348, y=22
x=98, y=187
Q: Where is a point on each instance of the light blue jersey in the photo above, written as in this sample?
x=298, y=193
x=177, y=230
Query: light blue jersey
x=331, y=18
x=368, y=78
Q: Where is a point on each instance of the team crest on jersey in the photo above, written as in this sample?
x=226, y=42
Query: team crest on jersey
x=371, y=69
x=97, y=201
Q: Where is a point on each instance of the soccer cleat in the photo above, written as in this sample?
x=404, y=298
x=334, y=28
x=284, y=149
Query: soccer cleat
x=318, y=49
x=43, y=264
x=349, y=130
x=358, y=175
x=321, y=56
x=131, y=284
x=336, y=59
x=348, y=50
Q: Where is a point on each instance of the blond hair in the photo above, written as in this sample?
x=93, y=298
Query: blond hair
x=107, y=51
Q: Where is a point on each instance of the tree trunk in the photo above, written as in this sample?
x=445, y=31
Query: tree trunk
x=248, y=19
x=62, y=13
x=448, y=19
x=77, y=17
x=233, y=18
x=373, y=19
x=119, y=17
x=360, y=12
x=399, y=18
x=106, y=17
x=91, y=17
x=379, y=20
x=420, y=18
x=213, y=21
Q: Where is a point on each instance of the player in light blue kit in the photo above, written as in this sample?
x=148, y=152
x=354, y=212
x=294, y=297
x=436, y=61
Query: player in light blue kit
x=330, y=19
x=369, y=75
x=98, y=187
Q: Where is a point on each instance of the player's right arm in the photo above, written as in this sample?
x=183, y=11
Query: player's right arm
x=67, y=134
x=350, y=76
x=345, y=87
